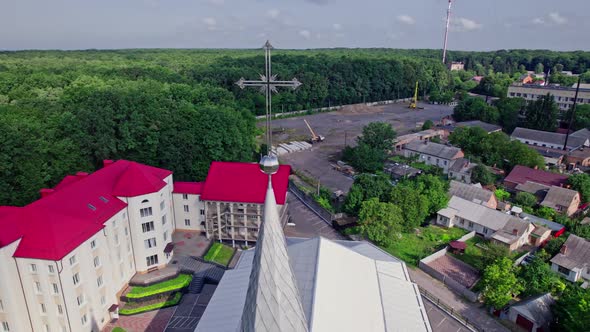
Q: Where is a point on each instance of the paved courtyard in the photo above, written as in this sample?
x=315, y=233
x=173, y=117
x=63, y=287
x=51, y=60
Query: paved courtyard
x=190, y=243
x=153, y=321
x=190, y=310
x=455, y=269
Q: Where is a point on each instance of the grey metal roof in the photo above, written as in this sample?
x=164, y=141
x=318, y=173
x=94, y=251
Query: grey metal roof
x=470, y=192
x=532, y=188
x=555, y=227
x=512, y=230
x=559, y=196
x=537, y=309
x=490, y=128
x=577, y=254
x=477, y=213
x=434, y=149
x=575, y=140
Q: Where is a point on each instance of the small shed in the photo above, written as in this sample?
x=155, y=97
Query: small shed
x=458, y=247
x=533, y=314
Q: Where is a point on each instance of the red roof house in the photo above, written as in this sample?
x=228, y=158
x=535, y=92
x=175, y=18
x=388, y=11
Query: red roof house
x=193, y=188
x=523, y=174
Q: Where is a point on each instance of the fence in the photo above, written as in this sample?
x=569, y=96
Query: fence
x=449, y=310
x=324, y=214
x=454, y=285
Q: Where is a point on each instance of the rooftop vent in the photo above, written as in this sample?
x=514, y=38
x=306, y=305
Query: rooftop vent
x=102, y=198
x=91, y=207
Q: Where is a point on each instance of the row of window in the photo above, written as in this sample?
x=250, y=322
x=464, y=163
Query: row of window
x=558, y=98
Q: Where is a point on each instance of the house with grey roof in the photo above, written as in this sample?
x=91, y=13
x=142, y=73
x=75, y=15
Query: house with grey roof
x=552, y=140
x=492, y=224
x=573, y=260
x=533, y=314
x=434, y=154
x=490, y=128
x=562, y=200
x=461, y=170
x=294, y=284
x=474, y=193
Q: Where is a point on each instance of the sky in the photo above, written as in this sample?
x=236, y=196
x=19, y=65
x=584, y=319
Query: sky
x=301, y=24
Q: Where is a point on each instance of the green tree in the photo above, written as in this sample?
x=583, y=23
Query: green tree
x=427, y=124
x=364, y=158
x=481, y=174
x=541, y=114
x=539, y=279
x=572, y=310
x=525, y=199
x=379, y=221
x=365, y=187
x=473, y=108
x=581, y=118
x=378, y=135
x=509, y=109
x=545, y=212
x=502, y=194
x=434, y=189
x=581, y=183
x=414, y=206
x=500, y=283
x=539, y=68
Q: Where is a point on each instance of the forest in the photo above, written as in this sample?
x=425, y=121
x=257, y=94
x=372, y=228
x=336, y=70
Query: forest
x=66, y=111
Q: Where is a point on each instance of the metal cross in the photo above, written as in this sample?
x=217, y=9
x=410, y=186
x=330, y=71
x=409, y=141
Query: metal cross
x=268, y=84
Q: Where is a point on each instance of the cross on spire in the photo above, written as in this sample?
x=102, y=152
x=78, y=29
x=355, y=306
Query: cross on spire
x=268, y=84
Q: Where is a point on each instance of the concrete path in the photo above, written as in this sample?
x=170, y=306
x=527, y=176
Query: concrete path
x=474, y=313
x=307, y=223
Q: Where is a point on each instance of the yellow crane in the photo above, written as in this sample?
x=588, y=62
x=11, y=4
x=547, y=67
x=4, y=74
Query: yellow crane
x=414, y=103
x=314, y=138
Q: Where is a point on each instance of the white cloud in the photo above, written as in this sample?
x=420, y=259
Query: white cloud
x=273, y=13
x=305, y=34
x=557, y=19
x=210, y=22
x=337, y=26
x=538, y=20
x=465, y=24
x=406, y=19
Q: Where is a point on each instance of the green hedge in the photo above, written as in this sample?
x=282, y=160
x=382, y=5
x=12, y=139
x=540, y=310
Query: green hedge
x=119, y=329
x=219, y=253
x=169, y=303
x=179, y=282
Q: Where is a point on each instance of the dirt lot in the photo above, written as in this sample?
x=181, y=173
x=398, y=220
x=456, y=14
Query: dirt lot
x=456, y=270
x=342, y=127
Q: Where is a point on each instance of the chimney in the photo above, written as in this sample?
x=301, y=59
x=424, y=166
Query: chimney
x=107, y=162
x=515, y=231
x=46, y=192
x=81, y=175
x=563, y=249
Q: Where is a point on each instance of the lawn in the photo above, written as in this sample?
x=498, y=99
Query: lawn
x=132, y=309
x=179, y=282
x=479, y=258
x=412, y=247
x=219, y=253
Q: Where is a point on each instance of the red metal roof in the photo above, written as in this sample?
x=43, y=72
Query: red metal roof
x=458, y=245
x=243, y=182
x=193, y=188
x=52, y=227
x=522, y=174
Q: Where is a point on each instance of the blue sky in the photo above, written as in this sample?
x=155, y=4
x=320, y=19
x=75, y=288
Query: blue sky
x=477, y=24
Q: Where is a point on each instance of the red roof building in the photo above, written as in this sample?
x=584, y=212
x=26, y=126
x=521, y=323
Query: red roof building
x=192, y=188
x=523, y=174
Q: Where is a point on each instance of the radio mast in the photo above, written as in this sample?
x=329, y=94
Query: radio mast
x=447, y=32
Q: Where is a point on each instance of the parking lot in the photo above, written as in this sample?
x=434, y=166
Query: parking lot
x=341, y=128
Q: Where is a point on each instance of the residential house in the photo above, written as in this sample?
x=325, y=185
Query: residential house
x=400, y=171
x=492, y=224
x=456, y=65
x=552, y=157
x=573, y=260
x=533, y=314
x=522, y=174
x=434, y=154
x=562, y=200
x=450, y=126
x=473, y=193
x=461, y=170
x=552, y=140
x=579, y=157
x=556, y=228
x=424, y=135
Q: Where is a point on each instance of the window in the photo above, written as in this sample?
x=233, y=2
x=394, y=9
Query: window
x=187, y=222
x=147, y=227
x=84, y=319
x=37, y=287
x=114, y=223
x=202, y=223
x=43, y=308
x=128, y=247
x=202, y=212
x=185, y=196
x=51, y=269
x=151, y=260
x=563, y=270
x=33, y=268
x=55, y=289
x=103, y=300
x=93, y=244
x=76, y=278
x=73, y=260
x=470, y=224
x=124, y=215
x=119, y=255
x=186, y=208
x=99, y=281
x=162, y=206
x=5, y=327
x=164, y=220
x=96, y=261
x=116, y=239
x=80, y=299
x=1, y=306
x=145, y=212
x=60, y=309
x=150, y=243
x=145, y=201
x=126, y=231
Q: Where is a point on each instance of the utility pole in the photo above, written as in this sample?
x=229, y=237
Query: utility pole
x=569, y=127
x=444, y=59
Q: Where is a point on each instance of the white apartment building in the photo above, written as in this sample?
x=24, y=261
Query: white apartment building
x=66, y=258
x=564, y=96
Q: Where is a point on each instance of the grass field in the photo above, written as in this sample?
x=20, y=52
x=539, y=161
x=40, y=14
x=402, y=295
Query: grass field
x=131, y=309
x=479, y=258
x=179, y=282
x=219, y=253
x=412, y=247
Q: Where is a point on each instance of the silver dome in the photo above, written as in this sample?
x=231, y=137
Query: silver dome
x=269, y=164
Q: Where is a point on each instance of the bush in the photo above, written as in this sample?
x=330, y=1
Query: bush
x=177, y=283
x=525, y=199
x=119, y=329
x=132, y=311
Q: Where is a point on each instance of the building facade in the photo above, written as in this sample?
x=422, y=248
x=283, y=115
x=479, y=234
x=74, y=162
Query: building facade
x=564, y=96
x=434, y=154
